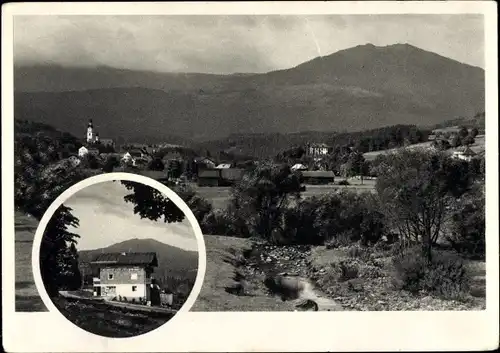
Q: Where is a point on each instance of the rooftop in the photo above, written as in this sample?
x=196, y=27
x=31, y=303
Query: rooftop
x=318, y=174
x=126, y=258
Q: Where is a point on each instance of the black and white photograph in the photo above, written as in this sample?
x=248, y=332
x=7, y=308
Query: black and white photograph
x=114, y=272
x=335, y=162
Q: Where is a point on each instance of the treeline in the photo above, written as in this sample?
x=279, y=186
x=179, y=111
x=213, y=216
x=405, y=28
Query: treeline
x=265, y=146
x=41, y=174
x=477, y=121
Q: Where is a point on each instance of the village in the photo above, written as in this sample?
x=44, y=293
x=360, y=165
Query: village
x=181, y=164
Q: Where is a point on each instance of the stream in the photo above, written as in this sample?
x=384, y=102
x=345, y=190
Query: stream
x=286, y=270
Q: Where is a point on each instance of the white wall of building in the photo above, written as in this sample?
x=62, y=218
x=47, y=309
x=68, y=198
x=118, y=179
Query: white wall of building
x=125, y=290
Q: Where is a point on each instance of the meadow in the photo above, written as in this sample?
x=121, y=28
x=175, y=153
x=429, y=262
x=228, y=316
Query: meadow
x=27, y=297
x=478, y=146
x=219, y=196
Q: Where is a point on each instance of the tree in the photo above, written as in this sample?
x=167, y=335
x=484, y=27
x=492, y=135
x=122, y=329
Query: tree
x=110, y=164
x=474, y=132
x=262, y=197
x=415, y=188
x=174, y=168
x=156, y=164
x=356, y=164
x=468, y=225
x=463, y=132
x=441, y=144
x=468, y=140
x=39, y=175
x=151, y=203
x=58, y=257
x=455, y=141
x=90, y=161
x=338, y=218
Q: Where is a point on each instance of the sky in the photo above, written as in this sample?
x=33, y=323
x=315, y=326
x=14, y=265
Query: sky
x=231, y=44
x=106, y=219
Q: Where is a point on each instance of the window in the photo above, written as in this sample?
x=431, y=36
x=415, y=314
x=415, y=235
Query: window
x=110, y=276
x=133, y=276
x=134, y=288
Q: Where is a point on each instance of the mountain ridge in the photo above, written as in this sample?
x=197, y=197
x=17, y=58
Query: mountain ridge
x=353, y=89
x=172, y=261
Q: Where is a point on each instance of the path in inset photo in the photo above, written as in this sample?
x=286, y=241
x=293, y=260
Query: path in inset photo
x=114, y=271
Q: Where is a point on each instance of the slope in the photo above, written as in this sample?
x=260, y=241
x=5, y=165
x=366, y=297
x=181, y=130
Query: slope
x=359, y=88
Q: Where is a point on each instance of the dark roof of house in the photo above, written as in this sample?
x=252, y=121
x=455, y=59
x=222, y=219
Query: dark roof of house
x=126, y=258
x=318, y=174
x=232, y=173
x=209, y=173
x=136, y=153
x=322, y=145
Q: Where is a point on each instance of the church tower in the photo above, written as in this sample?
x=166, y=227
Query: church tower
x=90, y=132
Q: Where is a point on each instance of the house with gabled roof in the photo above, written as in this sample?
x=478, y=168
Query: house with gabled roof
x=126, y=274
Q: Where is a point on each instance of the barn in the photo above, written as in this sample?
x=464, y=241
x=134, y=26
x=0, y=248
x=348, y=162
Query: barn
x=209, y=177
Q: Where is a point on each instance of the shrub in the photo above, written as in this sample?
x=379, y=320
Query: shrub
x=334, y=219
x=358, y=252
x=343, y=182
x=120, y=298
x=133, y=300
x=468, y=227
x=349, y=270
x=445, y=275
x=125, y=299
x=224, y=222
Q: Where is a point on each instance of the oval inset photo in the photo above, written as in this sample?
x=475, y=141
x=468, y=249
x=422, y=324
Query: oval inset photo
x=119, y=258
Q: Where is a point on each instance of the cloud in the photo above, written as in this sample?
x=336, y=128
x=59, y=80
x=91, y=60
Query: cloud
x=105, y=219
x=227, y=44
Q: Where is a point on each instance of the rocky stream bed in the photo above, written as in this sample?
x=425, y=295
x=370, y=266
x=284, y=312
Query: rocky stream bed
x=291, y=273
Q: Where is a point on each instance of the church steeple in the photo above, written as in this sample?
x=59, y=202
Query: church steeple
x=90, y=132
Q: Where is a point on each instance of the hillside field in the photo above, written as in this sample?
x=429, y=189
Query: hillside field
x=27, y=297
x=478, y=146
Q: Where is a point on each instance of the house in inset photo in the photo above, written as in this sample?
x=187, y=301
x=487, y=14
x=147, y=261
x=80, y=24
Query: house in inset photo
x=124, y=275
x=115, y=272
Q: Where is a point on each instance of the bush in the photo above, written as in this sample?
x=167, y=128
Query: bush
x=444, y=276
x=348, y=269
x=224, y=222
x=343, y=182
x=335, y=219
x=468, y=228
x=358, y=252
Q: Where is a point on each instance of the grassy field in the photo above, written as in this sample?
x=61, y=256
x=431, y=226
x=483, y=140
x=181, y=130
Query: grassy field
x=27, y=297
x=223, y=257
x=478, y=146
x=106, y=320
x=219, y=196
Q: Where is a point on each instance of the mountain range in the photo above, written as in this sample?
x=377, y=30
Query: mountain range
x=360, y=88
x=172, y=261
